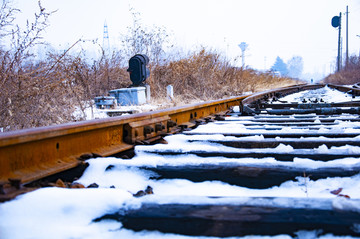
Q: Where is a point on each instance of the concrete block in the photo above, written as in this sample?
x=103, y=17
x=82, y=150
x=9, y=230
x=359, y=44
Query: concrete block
x=129, y=96
x=170, y=92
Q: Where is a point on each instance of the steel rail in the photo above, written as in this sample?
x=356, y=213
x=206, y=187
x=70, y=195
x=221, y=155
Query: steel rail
x=32, y=154
x=208, y=155
x=281, y=92
x=352, y=90
x=215, y=214
x=277, y=93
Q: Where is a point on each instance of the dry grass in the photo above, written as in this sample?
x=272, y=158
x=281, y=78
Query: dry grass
x=40, y=92
x=349, y=75
x=46, y=92
x=206, y=75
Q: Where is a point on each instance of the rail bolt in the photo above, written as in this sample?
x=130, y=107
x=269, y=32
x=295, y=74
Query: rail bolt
x=159, y=127
x=171, y=123
x=148, y=129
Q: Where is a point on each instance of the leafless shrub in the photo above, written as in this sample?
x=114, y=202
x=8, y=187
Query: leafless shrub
x=19, y=89
x=142, y=39
x=206, y=75
x=349, y=75
x=39, y=92
x=7, y=16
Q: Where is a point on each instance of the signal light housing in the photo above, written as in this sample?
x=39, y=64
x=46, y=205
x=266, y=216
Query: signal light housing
x=137, y=69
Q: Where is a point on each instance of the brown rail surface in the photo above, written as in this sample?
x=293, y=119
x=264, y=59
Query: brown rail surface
x=32, y=154
x=280, y=92
x=353, y=90
x=40, y=152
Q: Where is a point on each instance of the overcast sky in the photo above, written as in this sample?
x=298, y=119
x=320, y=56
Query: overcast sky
x=271, y=28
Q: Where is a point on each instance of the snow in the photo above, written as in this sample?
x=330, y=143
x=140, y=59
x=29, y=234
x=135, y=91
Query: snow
x=76, y=208
x=326, y=93
x=125, y=169
x=91, y=112
x=343, y=204
x=188, y=145
x=236, y=109
x=64, y=213
x=233, y=125
x=69, y=213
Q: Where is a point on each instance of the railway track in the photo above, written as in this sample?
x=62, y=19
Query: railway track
x=286, y=162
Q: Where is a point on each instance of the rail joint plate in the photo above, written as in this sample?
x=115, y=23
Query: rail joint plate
x=146, y=129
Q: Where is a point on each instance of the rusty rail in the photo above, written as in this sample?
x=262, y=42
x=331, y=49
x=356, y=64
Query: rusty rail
x=352, y=90
x=32, y=154
x=280, y=92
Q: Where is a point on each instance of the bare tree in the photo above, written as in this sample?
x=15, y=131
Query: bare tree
x=295, y=66
x=17, y=72
x=141, y=39
x=7, y=17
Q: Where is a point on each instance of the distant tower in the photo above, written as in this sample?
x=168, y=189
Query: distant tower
x=243, y=46
x=106, y=42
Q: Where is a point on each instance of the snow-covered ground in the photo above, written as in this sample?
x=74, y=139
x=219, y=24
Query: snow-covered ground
x=91, y=112
x=326, y=93
x=69, y=213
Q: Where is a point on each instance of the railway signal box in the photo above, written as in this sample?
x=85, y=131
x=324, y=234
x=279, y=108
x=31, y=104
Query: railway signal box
x=137, y=69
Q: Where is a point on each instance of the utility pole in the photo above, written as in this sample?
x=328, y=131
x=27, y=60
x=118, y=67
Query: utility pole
x=347, y=36
x=339, y=46
x=341, y=51
x=336, y=22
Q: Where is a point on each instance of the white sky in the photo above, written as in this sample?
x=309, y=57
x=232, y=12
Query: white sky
x=272, y=28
